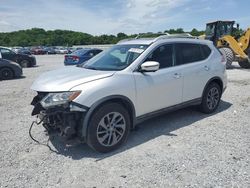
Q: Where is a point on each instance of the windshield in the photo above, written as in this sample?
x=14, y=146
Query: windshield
x=117, y=57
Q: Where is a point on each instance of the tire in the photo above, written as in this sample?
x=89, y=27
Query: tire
x=6, y=73
x=246, y=63
x=211, y=98
x=229, y=55
x=101, y=134
x=24, y=63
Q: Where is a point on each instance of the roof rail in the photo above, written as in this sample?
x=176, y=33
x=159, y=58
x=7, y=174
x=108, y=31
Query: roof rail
x=164, y=36
x=179, y=35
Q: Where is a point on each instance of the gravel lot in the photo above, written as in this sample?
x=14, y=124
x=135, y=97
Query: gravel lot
x=180, y=149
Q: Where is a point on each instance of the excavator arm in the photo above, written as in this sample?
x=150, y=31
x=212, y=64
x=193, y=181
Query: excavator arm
x=244, y=40
x=238, y=50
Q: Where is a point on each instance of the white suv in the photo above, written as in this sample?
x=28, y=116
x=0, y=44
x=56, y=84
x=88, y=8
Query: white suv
x=102, y=100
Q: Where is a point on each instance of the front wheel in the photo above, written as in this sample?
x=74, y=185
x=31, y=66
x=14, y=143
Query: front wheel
x=211, y=98
x=6, y=73
x=108, y=128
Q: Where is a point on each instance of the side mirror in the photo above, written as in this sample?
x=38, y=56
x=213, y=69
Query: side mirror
x=150, y=66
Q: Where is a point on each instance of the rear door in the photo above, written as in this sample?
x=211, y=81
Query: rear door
x=194, y=62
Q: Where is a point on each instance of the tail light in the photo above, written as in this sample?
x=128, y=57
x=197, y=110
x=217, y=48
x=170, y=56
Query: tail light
x=75, y=58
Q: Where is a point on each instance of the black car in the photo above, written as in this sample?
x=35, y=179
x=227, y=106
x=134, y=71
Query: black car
x=50, y=50
x=9, y=70
x=23, y=60
x=24, y=51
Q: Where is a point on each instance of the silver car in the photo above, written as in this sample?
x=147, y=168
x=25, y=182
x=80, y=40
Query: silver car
x=102, y=100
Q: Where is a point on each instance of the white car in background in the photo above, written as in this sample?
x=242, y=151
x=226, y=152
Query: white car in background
x=61, y=51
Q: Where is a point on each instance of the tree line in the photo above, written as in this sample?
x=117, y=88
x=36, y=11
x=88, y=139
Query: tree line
x=40, y=37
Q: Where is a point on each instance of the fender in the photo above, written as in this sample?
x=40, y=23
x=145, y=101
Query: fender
x=100, y=102
x=209, y=81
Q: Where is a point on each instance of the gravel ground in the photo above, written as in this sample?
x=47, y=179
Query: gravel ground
x=180, y=149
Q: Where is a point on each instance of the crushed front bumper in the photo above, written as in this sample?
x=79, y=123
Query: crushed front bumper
x=65, y=119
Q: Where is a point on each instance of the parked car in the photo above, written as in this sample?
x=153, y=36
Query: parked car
x=80, y=56
x=49, y=50
x=37, y=51
x=16, y=48
x=9, y=69
x=102, y=100
x=61, y=50
x=23, y=51
x=23, y=60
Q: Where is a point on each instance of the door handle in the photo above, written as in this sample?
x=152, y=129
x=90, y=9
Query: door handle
x=206, y=68
x=177, y=75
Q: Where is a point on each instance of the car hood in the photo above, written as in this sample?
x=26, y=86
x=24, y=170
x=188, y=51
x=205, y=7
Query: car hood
x=66, y=78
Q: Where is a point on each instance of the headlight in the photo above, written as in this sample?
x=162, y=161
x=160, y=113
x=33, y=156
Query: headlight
x=53, y=99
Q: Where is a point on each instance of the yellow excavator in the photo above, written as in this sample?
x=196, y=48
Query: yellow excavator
x=235, y=48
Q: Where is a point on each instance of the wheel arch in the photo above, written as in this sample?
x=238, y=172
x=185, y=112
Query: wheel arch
x=215, y=79
x=123, y=100
x=10, y=68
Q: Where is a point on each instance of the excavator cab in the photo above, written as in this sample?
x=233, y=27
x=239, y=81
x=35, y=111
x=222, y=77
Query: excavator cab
x=218, y=29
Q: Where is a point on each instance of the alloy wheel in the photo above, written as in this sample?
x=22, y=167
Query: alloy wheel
x=213, y=98
x=111, y=129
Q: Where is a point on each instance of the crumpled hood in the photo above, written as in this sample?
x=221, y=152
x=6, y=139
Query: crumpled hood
x=66, y=78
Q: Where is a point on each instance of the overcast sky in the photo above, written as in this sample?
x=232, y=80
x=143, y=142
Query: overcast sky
x=113, y=16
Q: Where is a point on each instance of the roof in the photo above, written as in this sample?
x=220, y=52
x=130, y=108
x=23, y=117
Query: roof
x=164, y=38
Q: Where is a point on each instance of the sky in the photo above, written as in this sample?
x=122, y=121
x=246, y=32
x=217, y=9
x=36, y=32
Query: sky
x=113, y=16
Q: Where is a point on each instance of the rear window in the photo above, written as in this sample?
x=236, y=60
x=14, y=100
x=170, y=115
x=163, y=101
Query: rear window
x=190, y=53
x=79, y=52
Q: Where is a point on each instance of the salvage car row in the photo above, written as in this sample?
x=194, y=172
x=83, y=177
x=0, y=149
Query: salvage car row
x=12, y=62
x=42, y=50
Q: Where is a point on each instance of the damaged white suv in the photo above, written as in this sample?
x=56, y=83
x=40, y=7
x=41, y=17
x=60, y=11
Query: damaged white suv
x=102, y=100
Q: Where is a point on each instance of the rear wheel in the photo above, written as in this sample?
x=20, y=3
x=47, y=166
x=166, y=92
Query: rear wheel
x=246, y=63
x=6, y=73
x=24, y=63
x=229, y=55
x=108, y=128
x=211, y=98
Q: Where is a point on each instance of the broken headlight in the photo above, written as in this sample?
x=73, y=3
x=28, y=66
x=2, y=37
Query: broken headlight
x=54, y=99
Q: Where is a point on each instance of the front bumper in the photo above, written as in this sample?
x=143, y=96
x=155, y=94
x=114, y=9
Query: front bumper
x=66, y=120
x=33, y=61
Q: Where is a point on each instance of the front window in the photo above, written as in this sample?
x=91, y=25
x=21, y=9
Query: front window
x=117, y=57
x=225, y=29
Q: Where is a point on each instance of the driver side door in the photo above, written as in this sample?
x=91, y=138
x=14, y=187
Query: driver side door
x=160, y=89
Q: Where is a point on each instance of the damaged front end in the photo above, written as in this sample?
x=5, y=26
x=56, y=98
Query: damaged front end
x=59, y=113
